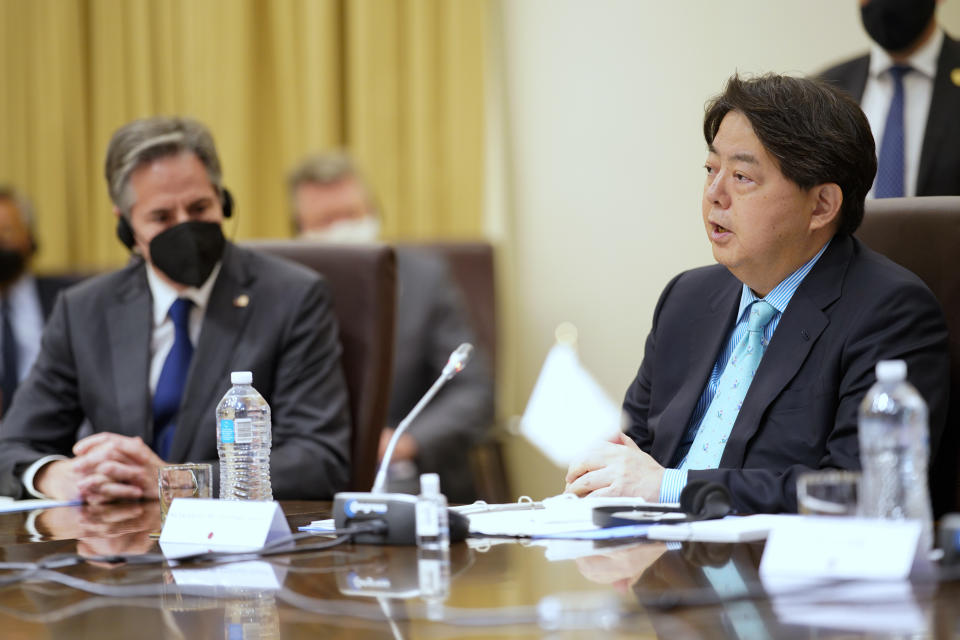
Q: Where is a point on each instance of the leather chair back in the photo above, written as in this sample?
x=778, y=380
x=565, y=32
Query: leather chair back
x=923, y=235
x=472, y=268
x=362, y=279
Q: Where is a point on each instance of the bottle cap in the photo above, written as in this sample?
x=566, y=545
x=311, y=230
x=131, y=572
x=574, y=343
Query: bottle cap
x=891, y=371
x=241, y=377
x=429, y=484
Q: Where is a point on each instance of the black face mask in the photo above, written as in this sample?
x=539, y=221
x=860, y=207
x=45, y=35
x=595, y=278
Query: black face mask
x=12, y=265
x=896, y=24
x=188, y=252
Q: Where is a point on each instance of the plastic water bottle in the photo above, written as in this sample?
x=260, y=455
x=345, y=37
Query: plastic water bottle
x=243, y=441
x=433, y=526
x=894, y=449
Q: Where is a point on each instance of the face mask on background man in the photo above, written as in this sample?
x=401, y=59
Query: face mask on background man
x=896, y=24
x=350, y=231
x=12, y=265
x=188, y=252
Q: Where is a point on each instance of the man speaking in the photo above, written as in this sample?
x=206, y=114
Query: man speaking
x=141, y=356
x=754, y=368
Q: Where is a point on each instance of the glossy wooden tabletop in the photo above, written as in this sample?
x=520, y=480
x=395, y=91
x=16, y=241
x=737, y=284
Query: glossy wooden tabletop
x=560, y=590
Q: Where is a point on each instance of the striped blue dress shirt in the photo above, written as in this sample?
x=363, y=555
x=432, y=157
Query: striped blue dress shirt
x=674, y=480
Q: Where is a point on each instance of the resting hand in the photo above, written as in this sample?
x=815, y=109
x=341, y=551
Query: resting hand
x=615, y=470
x=406, y=448
x=115, y=467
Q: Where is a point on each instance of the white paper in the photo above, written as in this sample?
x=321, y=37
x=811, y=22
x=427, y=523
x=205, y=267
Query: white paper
x=568, y=412
x=845, y=548
x=197, y=524
x=556, y=515
x=729, y=529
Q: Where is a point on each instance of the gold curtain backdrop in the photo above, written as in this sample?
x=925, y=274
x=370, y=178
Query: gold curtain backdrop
x=397, y=82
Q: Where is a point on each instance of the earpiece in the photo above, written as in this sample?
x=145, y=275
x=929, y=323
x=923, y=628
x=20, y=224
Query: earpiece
x=125, y=231
x=226, y=202
x=704, y=500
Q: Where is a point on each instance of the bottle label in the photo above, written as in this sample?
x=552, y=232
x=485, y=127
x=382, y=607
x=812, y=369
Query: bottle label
x=427, y=519
x=244, y=430
x=226, y=431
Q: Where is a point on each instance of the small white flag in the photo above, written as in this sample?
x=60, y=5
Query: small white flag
x=568, y=412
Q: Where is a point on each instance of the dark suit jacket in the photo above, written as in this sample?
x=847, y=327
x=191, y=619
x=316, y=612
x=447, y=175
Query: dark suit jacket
x=95, y=359
x=431, y=323
x=49, y=286
x=854, y=308
x=939, y=170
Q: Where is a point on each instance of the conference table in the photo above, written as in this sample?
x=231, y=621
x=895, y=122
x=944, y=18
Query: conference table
x=496, y=588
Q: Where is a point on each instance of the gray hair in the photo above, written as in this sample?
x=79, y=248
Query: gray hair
x=143, y=141
x=326, y=168
x=23, y=204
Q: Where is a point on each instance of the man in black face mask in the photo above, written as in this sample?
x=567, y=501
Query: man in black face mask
x=143, y=355
x=909, y=87
x=25, y=300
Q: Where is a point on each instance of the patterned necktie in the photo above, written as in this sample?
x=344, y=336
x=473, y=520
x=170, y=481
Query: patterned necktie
x=173, y=378
x=8, y=383
x=890, y=168
x=711, y=438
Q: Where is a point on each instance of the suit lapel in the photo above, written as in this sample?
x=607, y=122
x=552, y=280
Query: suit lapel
x=944, y=109
x=858, y=77
x=705, y=335
x=129, y=325
x=799, y=329
x=223, y=324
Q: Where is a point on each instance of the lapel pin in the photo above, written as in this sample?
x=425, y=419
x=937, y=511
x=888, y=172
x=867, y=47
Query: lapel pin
x=955, y=76
x=241, y=300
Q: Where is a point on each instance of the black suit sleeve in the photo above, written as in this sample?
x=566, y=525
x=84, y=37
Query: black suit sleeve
x=44, y=419
x=311, y=429
x=636, y=404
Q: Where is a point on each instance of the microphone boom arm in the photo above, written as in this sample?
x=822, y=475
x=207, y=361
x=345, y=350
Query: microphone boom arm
x=456, y=363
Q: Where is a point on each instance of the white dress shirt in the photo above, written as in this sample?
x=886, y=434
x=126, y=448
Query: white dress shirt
x=918, y=92
x=162, y=335
x=26, y=316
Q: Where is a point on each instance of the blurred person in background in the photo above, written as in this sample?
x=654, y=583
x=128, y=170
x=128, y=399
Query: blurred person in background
x=331, y=203
x=909, y=87
x=25, y=300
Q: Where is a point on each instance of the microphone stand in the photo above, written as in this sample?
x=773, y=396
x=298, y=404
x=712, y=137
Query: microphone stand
x=396, y=510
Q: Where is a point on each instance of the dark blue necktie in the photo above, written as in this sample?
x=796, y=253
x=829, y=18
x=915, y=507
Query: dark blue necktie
x=8, y=383
x=173, y=378
x=890, y=169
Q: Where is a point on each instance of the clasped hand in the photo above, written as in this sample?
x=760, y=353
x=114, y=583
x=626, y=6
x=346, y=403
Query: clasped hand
x=105, y=467
x=617, y=468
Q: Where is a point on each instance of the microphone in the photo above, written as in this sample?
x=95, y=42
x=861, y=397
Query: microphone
x=396, y=510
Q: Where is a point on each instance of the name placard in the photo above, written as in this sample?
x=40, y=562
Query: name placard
x=194, y=525
x=843, y=548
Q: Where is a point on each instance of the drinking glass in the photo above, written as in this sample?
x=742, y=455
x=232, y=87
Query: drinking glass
x=192, y=480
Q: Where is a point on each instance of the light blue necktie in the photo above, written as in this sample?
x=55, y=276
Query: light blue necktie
x=173, y=378
x=890, y=168
x=711, y=438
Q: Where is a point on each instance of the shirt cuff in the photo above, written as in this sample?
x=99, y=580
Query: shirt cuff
x=674, y=480
x=31, y=472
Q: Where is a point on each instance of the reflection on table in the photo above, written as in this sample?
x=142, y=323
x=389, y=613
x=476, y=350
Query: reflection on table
x=491, y=588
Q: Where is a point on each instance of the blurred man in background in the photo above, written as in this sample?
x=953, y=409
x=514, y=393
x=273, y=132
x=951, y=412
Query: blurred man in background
x=25, y=300
x=331, y=203
x=909, y=87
